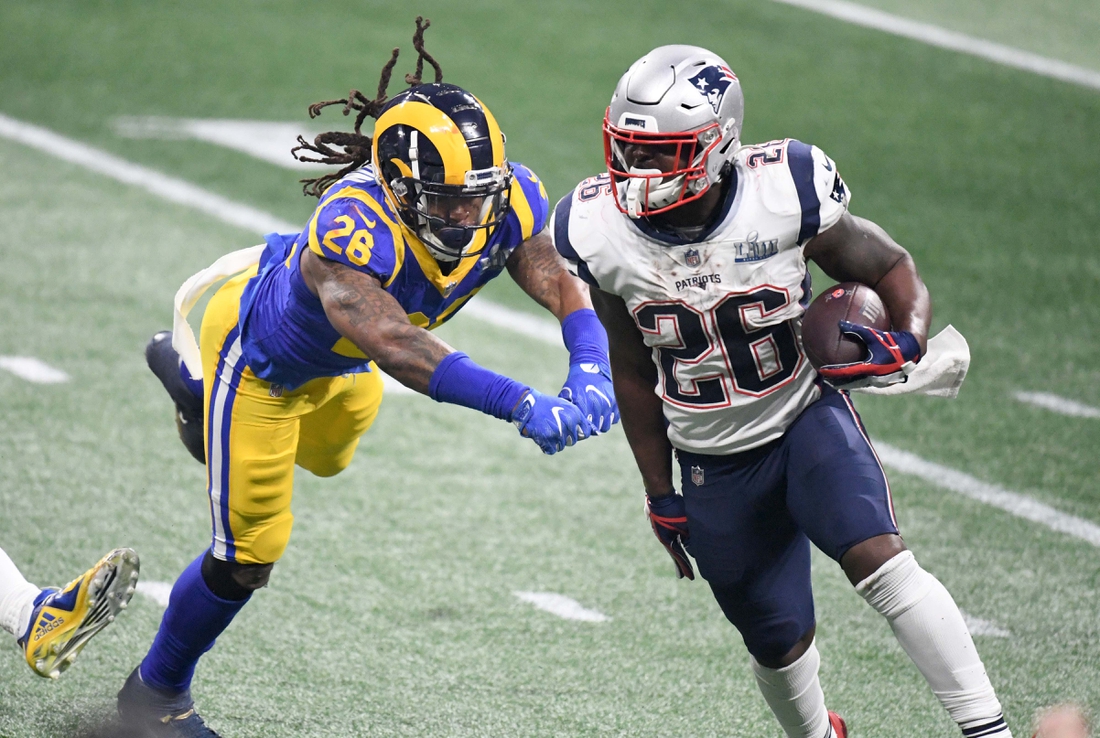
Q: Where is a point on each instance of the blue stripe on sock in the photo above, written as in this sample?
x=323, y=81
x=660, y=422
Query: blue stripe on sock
x=991, y=728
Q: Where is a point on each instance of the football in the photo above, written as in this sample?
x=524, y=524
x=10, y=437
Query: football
x=821, y=336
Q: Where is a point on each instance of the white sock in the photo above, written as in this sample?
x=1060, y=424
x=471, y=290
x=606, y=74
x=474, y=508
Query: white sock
x=929, y=626
x=795, y=696
x=16, y=597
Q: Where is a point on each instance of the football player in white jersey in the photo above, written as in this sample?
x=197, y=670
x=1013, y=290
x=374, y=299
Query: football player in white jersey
x=695, y=247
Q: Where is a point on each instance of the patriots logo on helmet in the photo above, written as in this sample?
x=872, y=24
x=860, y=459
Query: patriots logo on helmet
x=712, y=83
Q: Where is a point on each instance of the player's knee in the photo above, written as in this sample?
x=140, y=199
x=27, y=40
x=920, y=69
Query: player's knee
x=867, y=557
x=326, y=464
x=775, y=647
x=325, y=467
x=774, y=637
x=232, y=581
x=897, y=585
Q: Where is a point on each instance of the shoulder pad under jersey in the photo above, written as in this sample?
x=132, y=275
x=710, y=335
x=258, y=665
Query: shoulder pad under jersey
x=796, y=178
x=590, y=194
x=352, y=226
x=530, y=205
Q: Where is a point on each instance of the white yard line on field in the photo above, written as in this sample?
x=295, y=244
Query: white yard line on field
x=392, y=387
x=161, y=185
x=532, y=326
x=1012, y=502
x=562, y=606
x=1058, y=404
x=861, y=15
x=542, y=329
x=33, y=370
x=156, y=591
x=980, y=627
x=270, y=141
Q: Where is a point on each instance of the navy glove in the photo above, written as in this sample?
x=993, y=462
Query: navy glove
x=668, y=517
x=891, y=358
x=588, y=386
x=551, y=422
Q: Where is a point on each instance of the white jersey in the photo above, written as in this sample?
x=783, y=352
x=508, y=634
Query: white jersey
x=721, y=312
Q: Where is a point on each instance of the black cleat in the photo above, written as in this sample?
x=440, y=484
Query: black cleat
x=159, y=715
x=165, y=363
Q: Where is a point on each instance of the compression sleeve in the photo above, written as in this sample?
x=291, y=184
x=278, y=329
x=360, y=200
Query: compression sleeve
x=585, y=338
x=459, y=380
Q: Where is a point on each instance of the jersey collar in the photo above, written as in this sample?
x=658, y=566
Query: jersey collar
x=445, y=283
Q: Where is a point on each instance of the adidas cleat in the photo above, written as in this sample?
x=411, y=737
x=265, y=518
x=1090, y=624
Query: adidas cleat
x=165, y=363
x=159, y=715
x=840, y=728
x=64, y=620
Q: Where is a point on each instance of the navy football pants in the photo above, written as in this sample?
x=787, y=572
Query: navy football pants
x=753, y=515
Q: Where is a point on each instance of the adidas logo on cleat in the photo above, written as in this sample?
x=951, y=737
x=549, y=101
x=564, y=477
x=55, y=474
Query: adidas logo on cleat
x=64, y=620
x=47, y=624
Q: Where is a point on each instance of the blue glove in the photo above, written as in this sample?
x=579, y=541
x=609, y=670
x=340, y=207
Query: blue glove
x=891, y=358
x=588, y=386
x=552, y=423
x=668, y=517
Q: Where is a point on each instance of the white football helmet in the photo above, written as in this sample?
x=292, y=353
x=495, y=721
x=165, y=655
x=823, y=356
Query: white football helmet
x=675, y=95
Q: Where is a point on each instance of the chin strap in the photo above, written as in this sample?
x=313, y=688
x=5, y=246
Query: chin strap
x=655, y=196
x=435, y=246
x=631, y=195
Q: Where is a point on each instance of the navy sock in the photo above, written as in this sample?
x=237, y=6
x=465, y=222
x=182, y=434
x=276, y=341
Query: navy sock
x=194, y=619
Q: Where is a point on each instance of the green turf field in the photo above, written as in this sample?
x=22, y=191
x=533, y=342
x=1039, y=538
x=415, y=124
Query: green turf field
x=393, y=612
x=1062, y=29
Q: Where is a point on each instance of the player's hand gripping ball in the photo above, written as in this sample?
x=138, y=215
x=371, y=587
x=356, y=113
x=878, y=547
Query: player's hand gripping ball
x=551, y=422
x=589, y=387
x=847, y=338
x=668, y=517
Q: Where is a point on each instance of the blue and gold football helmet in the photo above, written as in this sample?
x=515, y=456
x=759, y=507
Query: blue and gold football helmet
x=439, y=155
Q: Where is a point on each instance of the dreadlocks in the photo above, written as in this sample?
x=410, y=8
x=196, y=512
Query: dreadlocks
x=356, y=147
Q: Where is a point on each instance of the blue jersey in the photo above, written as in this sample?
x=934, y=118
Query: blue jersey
x=285, y=335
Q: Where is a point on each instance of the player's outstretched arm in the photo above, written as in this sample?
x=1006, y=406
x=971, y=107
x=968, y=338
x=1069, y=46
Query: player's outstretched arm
x=539, y=270
x=644, y=423
x=371, y=318
x=368, y=316
x=858, y=250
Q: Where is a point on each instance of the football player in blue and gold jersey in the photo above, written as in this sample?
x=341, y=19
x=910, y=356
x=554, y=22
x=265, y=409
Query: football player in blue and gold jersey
x=419, y=219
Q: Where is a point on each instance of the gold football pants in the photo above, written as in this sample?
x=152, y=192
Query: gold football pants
x=256, y=434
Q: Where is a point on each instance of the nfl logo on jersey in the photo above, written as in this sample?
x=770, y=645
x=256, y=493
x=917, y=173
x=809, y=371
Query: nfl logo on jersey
x=697, y=476
x=692, y=257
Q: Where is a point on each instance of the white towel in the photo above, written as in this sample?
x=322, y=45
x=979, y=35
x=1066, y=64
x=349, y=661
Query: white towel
x=940, y=373
x=189, y=293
